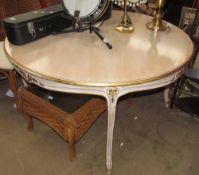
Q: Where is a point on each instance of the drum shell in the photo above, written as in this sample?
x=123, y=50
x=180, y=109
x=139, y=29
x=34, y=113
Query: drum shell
x=103, y=12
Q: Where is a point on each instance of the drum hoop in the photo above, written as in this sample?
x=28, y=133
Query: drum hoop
x=106, y=4
x=85, y=19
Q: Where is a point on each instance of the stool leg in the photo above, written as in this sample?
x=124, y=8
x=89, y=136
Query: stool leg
x=71, y=141
x=29, y=122
x=12, y=81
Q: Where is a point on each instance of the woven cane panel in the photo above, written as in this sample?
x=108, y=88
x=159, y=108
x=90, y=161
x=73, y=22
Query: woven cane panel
x=15, y=7
x=47, y=117
x=81, y=120
x=46, y=3
x=2, y=34
x=2, y=10
x=42, y=110
x=2, y=16
x=87, y=115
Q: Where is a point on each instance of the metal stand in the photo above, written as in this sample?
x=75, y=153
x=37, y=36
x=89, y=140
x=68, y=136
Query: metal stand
x=78, y=26
x=96, y=31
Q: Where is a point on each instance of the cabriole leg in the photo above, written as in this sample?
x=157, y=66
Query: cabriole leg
x=112, y=103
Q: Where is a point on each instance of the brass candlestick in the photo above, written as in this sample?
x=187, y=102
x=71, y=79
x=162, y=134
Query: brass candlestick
x=157, y=23
x=125, y=26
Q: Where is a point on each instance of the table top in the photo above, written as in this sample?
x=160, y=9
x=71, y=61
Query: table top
x=82, y=59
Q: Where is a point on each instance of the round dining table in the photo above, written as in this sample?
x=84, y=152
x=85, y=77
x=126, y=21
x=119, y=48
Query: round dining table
x=80, y=63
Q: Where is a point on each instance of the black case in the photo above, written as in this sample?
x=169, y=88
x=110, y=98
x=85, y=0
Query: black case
x=27, y=27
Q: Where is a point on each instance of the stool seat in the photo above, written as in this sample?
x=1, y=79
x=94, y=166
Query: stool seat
x=5, y=64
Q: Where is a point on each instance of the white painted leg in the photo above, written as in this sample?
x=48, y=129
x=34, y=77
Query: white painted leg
x=166, y=97
x=112, y=103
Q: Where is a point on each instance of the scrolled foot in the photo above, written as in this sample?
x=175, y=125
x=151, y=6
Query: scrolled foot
x=108, y=168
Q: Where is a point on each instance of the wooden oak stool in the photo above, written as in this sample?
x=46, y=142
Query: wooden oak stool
x=69, y=115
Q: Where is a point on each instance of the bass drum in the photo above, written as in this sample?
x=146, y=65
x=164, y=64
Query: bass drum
x=89, y=10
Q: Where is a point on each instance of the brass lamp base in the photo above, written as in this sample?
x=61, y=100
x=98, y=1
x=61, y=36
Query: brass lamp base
x=122, y=29
x=156, y=25
x=125, y=26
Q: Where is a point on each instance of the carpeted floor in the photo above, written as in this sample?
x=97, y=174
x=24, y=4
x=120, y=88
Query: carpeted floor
x=148, y=140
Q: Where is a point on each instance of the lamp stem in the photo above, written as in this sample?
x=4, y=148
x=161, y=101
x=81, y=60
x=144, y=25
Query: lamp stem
x=125, y=26
x=125, y=7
